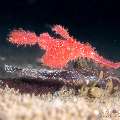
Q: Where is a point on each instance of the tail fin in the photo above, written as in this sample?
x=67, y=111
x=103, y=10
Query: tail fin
x=21, y=37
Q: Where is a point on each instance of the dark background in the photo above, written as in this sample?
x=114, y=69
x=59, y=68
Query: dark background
x=93, y=21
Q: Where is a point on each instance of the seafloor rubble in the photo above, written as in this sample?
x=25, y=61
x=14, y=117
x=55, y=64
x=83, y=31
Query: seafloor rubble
x=78, y=74
x=82, y=90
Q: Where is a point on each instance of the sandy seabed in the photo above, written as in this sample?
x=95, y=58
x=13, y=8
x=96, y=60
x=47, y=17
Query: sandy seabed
x=62, y=105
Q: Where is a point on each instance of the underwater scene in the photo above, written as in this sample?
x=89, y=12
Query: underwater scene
x=52, y=68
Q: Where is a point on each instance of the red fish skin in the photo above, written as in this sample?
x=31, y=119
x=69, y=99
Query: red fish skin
x=58, y=29
x=58, y=52
x=22, y=37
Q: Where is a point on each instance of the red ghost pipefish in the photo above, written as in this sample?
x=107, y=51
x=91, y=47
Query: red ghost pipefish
x=59, y=51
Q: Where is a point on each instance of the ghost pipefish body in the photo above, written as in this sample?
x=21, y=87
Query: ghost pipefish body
x=59, y=51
